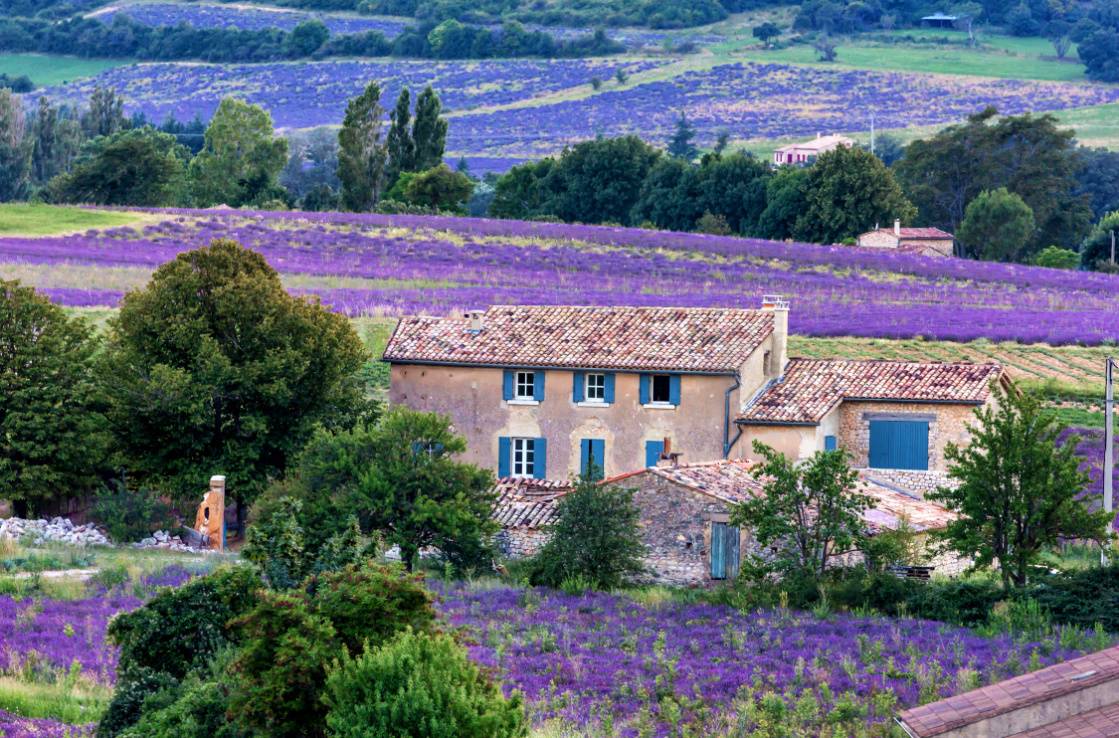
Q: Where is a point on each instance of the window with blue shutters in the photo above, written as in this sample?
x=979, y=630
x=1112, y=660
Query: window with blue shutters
x=653, y=451
x=592, y=458
x=525, y=458
x=660, y=389
x=592, y=388
x=830, y=443
x=899, y=444
x=724, y=551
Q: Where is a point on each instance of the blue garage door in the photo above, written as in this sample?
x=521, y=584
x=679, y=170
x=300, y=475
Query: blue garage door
x=899, y=444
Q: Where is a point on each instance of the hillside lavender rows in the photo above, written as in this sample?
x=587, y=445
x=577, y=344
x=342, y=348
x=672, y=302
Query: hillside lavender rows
x=392, y=265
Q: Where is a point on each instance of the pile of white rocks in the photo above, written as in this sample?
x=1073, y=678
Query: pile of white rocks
x=163, y=539
x=55, y=530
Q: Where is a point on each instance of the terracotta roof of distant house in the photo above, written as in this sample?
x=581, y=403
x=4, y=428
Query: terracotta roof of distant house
x=1100, y=723
x=934, y=234
x=1044, y=685
x=528, y=503
x=810, y=388
x=734, y=482
x=701, y=340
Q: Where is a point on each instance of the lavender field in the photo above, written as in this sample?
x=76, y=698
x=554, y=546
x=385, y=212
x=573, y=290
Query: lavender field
x=601, y=664
x=527, y=108
x=392, y=265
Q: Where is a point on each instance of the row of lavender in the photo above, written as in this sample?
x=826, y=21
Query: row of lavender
x=418, y=264
x=596, y=660
x=751, y=101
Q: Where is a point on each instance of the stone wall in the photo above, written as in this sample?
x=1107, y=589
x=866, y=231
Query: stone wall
x=947, y=423
x=927, y=247
x=919, y=483
x=520, y=543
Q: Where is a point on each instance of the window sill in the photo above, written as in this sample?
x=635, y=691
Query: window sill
x=659, y=406
x=523, y=402
x=592, y=403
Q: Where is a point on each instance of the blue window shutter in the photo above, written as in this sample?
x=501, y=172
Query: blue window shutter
x=879, y=456
x=538, y=385
x=653, y=451
x=598, y=453
x=610, y=389
x=718, y=551
x=918, y=446
x=674, y=389
x=584, y=456
x=829, y=443
x=540, y=459
x=507, y=385
x=644, y=393
x=730, y=546
x=503, y=454
x=899, y=444
x=577, y=387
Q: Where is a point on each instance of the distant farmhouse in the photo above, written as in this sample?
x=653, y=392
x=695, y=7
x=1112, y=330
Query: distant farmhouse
x=669, y=401
x=803, y=154
x=923, y=241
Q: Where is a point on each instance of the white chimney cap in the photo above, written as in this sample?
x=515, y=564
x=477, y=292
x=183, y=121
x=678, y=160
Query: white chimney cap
x=774, y=302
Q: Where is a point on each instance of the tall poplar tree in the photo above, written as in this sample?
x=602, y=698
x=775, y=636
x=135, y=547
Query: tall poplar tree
x=429, y=132
x=401, y=147
x=362, y=154
x=15, y=154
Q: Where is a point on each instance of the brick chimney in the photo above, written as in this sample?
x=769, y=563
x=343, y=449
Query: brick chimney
x=475, y=318
x=779, y=306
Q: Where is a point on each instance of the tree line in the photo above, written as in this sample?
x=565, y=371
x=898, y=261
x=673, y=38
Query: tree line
x=124, y=37
x=1009, y=188
x=98, y=155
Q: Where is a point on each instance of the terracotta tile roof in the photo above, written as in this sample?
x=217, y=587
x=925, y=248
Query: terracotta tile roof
x=1040, y=686
x=820, y=143
x=705, y=340
x=1099, y=723
x=810, y=388
x=918, y=233
x=733, y=482
x=528, y=503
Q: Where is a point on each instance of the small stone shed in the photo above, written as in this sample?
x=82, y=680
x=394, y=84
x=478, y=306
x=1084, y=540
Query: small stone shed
x=1074, y=699
x=922, y=241
x=685, y=517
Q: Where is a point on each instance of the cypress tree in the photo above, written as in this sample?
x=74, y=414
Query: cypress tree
x=361, y=153
x=401, y=147
x=429, y=132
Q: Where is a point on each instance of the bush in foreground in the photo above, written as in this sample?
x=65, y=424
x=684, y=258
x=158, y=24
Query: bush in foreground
x=418, y=686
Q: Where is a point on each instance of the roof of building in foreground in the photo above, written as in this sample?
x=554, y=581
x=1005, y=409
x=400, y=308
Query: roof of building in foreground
x=1078, y=698
x=699, y=340
x=810, y=388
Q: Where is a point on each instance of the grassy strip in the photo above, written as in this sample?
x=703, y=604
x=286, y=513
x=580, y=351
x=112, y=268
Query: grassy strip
x=26, y=219
x=49, y=69
x=76, y=701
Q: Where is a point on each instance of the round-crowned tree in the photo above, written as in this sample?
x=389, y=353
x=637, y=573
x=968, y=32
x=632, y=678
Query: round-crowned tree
x=52, y=437
x=997, y=226
x=214, y=369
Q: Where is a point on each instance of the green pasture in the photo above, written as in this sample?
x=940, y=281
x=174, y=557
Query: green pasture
x=27, y=219
x=48, y=69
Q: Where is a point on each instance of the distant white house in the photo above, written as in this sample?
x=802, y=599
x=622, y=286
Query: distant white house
x=803, y=154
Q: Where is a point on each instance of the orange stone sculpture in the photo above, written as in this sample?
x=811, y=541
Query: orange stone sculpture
x=210, y=521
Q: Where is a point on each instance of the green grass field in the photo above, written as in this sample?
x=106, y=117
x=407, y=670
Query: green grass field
x=45, y=69
x=24, y=219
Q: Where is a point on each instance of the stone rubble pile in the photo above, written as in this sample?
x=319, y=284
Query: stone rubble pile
x=163, y=539
x=55, y=530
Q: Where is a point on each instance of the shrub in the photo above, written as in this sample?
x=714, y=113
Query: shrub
x=196, y=709
x=130, y=515
x=276, y=545
x=1055, y=257
x=967, y=602
x=278, y=674
x=176, y=632
x=1081, y=598
x=419, y=686
x=595, y=539
x=371, y=604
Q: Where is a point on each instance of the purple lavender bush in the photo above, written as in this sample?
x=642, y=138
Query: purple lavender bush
x=1090, y=446
x=14, y=726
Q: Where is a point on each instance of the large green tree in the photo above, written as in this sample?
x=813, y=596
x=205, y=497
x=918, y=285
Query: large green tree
x=807, y=515
x=785, y=194
x=105, y=114
x=53, y=436
x=401, y=479
x=401, y=147
x=429, y=131
x=241, y=160
x=599, y=181
x=847, y=192
x=15, y=148
x=1026, y=154
x=997, y=226
x=56, y=139
x=1095, y=251
x=362, y=155
x=521, y=193
x=439, y=188
x=138, y=166
x=1018, y=489
x=213, y=368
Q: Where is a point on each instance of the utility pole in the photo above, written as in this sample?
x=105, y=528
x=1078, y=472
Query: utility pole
x=1112, y=230
x=872, y=151
x=1109, y=442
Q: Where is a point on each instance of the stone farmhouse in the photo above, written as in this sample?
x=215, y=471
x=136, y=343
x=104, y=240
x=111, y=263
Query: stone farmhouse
x=804, y=154
x=922, y=241
x=1074, y=699
x=669, y=401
